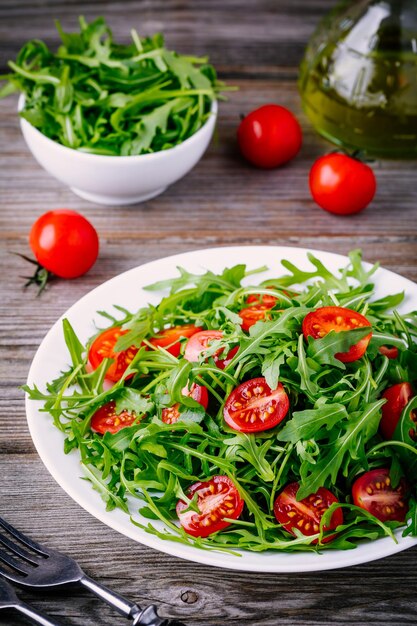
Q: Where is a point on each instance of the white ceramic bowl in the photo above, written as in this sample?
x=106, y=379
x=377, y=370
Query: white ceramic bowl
x=115, y=180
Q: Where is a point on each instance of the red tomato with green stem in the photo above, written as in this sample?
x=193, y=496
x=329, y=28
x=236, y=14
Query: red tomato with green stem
x=217, y=499
x=305, y=515
x=320, y=322
x=341, y=184
x=269, y=136
x=374, y=493
x=253, y=406
x=106, y=420
x=397, y=397
x=64, y=243
x=199, y=393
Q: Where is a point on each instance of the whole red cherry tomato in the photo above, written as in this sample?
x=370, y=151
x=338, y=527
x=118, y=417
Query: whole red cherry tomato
x=341, y=184
x=269, y=136
x=64, y=243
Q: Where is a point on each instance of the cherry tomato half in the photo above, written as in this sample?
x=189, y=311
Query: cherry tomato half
x=253, y=406
x=200, y=342
x=253, y=314
x=397, y=397
x=106, y=420
x=374, y=493
x=341, y=184
x=222, y=363
x=305, y=515
x=103, y=347
x=217, y=498
x=64, y=243
x=171, y=414
x=170, y=337
x=267, y=299
x=269, y=136
x=389, y=351
x=321, y=321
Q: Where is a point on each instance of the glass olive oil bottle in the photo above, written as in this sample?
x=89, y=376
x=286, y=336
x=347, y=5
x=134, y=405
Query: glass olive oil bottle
x=358, y=79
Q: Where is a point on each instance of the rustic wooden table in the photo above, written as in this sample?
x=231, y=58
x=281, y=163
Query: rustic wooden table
x=223, y=201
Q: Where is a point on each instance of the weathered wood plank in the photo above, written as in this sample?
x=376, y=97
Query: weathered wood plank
x=223, y=201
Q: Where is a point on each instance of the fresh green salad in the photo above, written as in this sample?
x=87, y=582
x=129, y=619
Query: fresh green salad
x=277, y=416
x=99, y=96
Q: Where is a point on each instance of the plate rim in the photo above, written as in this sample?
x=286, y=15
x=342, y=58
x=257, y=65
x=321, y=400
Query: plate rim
x=94, y=505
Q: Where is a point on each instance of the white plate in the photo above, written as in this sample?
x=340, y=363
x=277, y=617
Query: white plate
x=127, y=290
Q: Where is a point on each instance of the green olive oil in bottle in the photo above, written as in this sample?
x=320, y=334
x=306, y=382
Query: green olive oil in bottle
x=358, y=79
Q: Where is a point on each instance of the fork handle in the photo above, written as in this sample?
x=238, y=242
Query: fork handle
x=34, y=615
x=139, y=617
x=115, y=600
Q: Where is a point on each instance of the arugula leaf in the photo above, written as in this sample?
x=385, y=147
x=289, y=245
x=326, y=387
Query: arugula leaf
x=323, y=350
x=308, y=424
x=360, y=429
x=305, y=371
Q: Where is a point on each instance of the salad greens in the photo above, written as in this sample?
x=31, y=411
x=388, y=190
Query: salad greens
x=329, y=437
x=99, y=96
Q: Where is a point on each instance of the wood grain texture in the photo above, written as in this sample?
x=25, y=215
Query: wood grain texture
x=223, y=201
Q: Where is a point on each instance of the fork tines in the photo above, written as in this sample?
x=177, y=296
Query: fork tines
x=29, y=543
x=26, y=561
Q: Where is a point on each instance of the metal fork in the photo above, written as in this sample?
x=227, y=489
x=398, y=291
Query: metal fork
x=9, y=600
x=45, y=568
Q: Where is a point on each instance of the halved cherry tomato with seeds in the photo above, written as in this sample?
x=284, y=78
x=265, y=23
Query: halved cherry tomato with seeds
x=103, y=347
x=201, y=341
x=374, y=493
x=217, y=499
x=389, y=351
x=320, y=322
x=222, y=363
x=169, y=338
x=106, y=420
x=254, y=314
x=253, y=406
x=397, y=397
x=305, y=515
x=267, y=299
x=171, y=414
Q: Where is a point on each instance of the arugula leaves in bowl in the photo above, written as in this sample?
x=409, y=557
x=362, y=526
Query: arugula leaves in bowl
x=101, y=97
